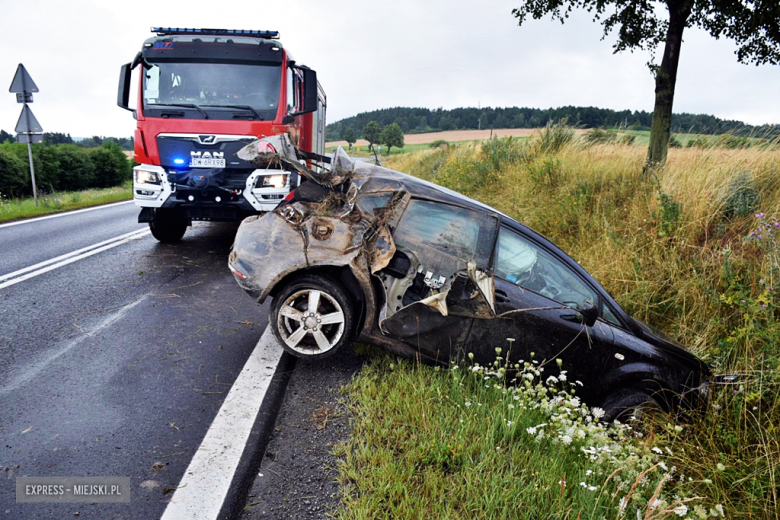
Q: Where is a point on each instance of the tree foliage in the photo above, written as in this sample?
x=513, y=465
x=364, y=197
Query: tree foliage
x=392, y=135
x=6, y=137
x=350, y=137
x=754, y=25
x=372, y=133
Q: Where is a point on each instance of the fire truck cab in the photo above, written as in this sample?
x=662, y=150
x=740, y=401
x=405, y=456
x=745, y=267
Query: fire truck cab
x=203, y=95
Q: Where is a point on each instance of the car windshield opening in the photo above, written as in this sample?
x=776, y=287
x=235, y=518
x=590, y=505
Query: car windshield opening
x=251, y=88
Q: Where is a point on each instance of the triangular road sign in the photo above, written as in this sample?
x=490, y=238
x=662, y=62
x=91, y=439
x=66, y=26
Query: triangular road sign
x=22, y=81
x=27, y=123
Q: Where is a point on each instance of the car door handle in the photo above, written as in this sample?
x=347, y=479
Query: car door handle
x=574, y=318
x=501, y=296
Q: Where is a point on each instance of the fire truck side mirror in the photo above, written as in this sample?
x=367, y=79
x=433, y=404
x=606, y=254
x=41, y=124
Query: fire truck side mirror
x=123, y=94
x=310, y=88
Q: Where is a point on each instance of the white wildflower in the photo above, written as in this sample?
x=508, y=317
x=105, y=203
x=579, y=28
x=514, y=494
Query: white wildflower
x=721, y=467
x=719, y=509
x=658, y=450
x=597, y=412
x=566, y=439
x=681, y=510
x=531, y=430
x=467, y=403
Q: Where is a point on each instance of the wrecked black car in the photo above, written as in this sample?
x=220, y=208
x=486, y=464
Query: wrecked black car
x=361, y=252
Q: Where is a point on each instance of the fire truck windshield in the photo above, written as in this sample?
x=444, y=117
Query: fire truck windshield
x=213, y=88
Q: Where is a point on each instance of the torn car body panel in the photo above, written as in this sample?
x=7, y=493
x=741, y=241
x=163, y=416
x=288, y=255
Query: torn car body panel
x=441, y=275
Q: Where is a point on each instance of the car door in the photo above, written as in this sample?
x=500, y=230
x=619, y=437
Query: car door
x=538, y=299
x=435, y=245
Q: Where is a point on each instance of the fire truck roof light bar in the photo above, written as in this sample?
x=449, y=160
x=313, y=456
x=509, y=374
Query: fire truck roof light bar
x=163, y=31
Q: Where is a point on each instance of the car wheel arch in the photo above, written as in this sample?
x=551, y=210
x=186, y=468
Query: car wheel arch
x=642, y=377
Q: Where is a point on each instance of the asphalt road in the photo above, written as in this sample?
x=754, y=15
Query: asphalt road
x=116, y=364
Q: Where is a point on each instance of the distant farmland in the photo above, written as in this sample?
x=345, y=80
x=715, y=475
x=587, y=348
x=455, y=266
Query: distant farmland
x=452, y=136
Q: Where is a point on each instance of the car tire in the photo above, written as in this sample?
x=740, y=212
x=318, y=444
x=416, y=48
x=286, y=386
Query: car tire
x=301, y=331
x=625, y=403
x=168, y=226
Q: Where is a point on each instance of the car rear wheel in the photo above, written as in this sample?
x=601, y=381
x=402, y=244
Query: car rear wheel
x=168, y=226
x=627, y=404
x=312, y=317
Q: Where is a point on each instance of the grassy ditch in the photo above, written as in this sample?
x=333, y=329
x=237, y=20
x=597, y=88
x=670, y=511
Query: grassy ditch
x=695, y=252
x=12, y=209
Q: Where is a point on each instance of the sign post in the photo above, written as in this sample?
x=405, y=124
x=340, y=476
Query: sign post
x=28, y=128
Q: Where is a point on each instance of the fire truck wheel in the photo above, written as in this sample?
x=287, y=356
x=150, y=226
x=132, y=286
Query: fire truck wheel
x=168, y=226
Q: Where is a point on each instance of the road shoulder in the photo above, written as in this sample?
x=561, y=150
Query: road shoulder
x=298, y=474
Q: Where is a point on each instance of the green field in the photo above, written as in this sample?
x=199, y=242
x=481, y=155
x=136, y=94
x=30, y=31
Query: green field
x=12, y=209
x=676, y=252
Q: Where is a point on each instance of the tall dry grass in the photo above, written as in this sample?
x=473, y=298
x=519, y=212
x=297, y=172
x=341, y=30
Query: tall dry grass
x=674, y=250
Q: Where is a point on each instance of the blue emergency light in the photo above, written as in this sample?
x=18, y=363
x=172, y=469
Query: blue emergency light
x=178, y=161
x=164, y=31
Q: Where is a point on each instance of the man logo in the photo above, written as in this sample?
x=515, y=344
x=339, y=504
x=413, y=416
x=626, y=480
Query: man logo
x=207, y=139
x=207, y=155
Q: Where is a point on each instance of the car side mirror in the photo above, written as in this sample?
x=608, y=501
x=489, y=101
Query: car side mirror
x=590, y=314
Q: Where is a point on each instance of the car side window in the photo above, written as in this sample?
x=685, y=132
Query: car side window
x=457, y=231
x=609, y=316
x=522, y=262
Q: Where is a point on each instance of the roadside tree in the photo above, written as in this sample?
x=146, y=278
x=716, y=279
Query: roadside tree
x=392, y=135
x=751, y=24
x=372, y=133
x=349, y=136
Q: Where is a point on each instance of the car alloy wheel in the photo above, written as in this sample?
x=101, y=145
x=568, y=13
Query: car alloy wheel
x=312, y=319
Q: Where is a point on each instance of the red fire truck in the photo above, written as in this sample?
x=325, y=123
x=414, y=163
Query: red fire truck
x=203, y=95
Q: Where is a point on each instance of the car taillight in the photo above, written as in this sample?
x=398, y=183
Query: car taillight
x=290, y=196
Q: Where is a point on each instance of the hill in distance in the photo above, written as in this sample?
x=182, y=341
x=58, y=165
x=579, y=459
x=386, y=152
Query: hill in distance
x=423, y=120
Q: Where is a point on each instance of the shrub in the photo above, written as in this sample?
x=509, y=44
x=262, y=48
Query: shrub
x=77, y=171
x=440, y=143
x=627, y=139
x=742, y=197
x=733, y=142
x=111, y=165
x=599, y=136
x=14, y=180
x=502, y=152
x=554, y=136
x=674, y=142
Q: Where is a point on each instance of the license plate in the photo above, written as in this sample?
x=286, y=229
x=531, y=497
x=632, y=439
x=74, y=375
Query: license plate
x=207, y=163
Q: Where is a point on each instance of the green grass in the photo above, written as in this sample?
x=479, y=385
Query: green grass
x=436, y=443
x=676, y=252
x=12, y=209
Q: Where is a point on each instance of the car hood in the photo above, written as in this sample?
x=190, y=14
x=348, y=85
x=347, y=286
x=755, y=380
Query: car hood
x=661, y=340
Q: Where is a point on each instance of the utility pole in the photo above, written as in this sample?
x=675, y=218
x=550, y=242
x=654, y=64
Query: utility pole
x=27, y=128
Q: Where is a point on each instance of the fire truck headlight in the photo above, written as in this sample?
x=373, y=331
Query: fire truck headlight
x=274, y=181
x=145, y=177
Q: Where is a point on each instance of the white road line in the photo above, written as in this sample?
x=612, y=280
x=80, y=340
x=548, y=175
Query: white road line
x=112, y=244
x=64, y=214
x=67, y=255
x=206, y=482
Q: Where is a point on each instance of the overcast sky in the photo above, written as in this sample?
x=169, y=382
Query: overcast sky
x=369, y=55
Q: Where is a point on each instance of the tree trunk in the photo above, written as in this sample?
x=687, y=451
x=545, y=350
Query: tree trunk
x=665, y=80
